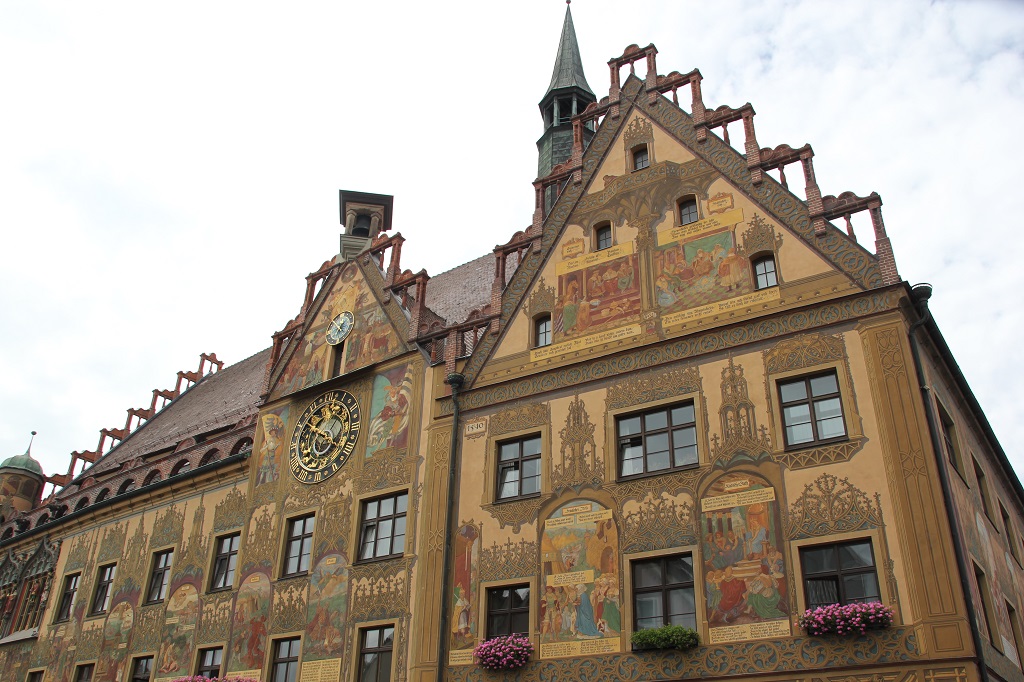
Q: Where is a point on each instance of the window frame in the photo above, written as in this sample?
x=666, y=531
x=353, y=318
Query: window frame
x=305, y=542
x=376, y=521
x=988, y=608
x=133, y=675
x=664, y=588
x=363, y=650
x=287, y=661
x=231, y=571
x=1015, y=629
x=82, y=667
x=161, y=572
x=951, y=441
x=1011, y=538
x=35, y=675
x=108, y=589
x=642, y=411
x=511, y=611
x=202, y=668
x=809, y=400
x=835, y=544
x=756, y=261
x=601, y=229
x=68, y=597
x=635, y=152
x=679, y=209
x=501, y=465
x=542, y=338
x=984, y=491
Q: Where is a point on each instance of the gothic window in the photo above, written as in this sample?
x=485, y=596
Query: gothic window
x=657, y=440
x=67, y=597
x=298, y=545
x=602, y=236
x=286, y=660
x=508, y=610
x=223, y=576
x=375, y=649
x=663, y=592
x=764, y=273
x=382, y=533
x=160, y=576
x=101, y=596
x=812, y=410
x=641, y=159
x=542, y=331
x=688, y=211
x=841, y=573
x=518, y=468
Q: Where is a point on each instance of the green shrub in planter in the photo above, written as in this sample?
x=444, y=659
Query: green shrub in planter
x=667, y=637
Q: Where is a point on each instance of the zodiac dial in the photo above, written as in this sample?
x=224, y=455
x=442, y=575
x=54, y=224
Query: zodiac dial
x=339, y=328
x=324, y=437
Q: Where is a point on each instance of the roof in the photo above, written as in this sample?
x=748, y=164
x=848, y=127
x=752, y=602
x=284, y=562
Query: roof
x=25, y=462
x=218, y=400
x=452, y=295
x=568, y=71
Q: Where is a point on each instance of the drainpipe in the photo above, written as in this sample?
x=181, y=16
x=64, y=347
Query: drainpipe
x=920, y=294
x=456, y=381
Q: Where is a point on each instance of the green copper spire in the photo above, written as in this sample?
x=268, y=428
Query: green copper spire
x=568, y=71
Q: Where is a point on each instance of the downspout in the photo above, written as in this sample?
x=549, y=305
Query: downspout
x=456, y=381
x=920, y=294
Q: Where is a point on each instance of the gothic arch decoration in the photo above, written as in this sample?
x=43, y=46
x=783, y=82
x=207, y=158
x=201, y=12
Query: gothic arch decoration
x=659, y=521
x=195, y=552
x=744, y=571
x=168, y=527
x=760, y=237
x=638, y=132
x=230, y=512
x=465, y=629
x=580, y=464
x=579, y=560
x=742, y=440
x=25, y=582
x=509, y=560
x=542, y=300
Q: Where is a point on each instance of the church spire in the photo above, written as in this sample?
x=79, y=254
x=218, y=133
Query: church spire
x=568, y=71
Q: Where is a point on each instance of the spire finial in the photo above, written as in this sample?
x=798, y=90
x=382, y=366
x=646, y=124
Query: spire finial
x=28, y=450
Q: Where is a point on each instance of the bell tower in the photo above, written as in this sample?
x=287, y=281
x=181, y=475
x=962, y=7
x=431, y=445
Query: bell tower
x=568, y=94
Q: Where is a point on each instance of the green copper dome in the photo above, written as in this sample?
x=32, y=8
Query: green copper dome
x=25, y=462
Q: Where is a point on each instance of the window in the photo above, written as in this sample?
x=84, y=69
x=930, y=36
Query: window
x=988, y=613
x=101, y=597
x=30, y=606
x=1018, y=638
x=663, y=592
x=383, y=527
x=657, y=440
x=286, y=660
x=83, y=673
x=375, y=646
x=687, y=211
x=126, y=487
x=519, y=468
x=950, y=443
x=640, y=158
x=224, y=562
x=542, y=331
x=299, y=545
x=812, y=410
x=1011, y=537
x=602, y=237
x=67, y=597
x=764, y=273
x=979, y=474
x=209, y=662
x=160, y=576
x=142, y=669
x=35, y=676
x=181, y=467
x=508, y=610
x=102, y=495
x=839, y=574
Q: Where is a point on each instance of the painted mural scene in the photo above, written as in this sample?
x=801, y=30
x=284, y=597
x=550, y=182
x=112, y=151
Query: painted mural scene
x=681, y=426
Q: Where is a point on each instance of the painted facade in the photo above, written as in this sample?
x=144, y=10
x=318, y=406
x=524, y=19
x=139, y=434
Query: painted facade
x=653, y=430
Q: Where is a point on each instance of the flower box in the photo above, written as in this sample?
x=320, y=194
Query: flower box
x=508, y=652
x=849, y=619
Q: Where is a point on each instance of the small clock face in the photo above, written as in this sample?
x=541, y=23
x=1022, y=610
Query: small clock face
x=324, y=437
x=339, y=328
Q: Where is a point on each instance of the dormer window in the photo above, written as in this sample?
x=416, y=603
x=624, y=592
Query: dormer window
x=542, y=331
x=688, y=211
x=641, y=159
x=602, y=236
x=764, y=273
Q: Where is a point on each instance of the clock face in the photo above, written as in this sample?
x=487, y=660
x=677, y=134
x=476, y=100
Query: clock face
x=324, y=437
x=339, y=328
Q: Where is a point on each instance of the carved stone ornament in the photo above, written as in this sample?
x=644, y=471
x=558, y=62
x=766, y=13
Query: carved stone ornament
x=230, y=512
x=831, y=505
x=112, y=544
x=78, y=555
x=510, y=560
x=215, y=623
x=195, y=552
x=261, y=542
x=542, y=300
x=760, y=236
x=519, y=417
x=289, y=612
x=380, y=589
x=168, y=527
x=653, y=385
x=660, y=522
x=580, y=464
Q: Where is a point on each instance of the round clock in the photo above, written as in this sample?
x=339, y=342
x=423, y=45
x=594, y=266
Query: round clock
x=339, y=328
x=324, y=437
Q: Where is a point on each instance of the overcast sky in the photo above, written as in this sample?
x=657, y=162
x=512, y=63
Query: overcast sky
x=169, y=173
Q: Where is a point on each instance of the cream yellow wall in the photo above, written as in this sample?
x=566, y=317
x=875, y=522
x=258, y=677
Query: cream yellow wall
x=616, y=162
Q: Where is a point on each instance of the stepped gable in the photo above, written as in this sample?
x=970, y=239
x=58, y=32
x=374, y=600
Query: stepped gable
x=452, y=295
x=218, y=400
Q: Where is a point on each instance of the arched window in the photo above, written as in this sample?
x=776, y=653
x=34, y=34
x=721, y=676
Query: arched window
x=102, y=495
x=641, y=159
x=542, y=331
x=210, y=456
x=181, y=467
x=152, y=477
x=82, y=504
x=45, y=518
x=8, y=533
x=126, y=487
x=688, y=211
x=602, y=236
x=244, y=445
x=764, y=272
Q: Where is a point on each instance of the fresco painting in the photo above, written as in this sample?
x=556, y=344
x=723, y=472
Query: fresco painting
x=580, y=607
x=250, y=623
x=271, y=453
x=744, y=570
x=597, y=298
x=372, y=339
x=179, y=632
x=699, y=271
x=389, y=407
x=327, y=607
x=117, y=635
x=465, y=596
